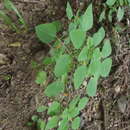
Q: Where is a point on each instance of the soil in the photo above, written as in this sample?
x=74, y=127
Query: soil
x=20, y=96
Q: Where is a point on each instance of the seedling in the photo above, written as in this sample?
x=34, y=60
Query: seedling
x=78, y=56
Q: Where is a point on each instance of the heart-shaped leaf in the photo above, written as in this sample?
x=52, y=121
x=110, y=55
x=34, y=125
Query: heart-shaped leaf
x=77, y=37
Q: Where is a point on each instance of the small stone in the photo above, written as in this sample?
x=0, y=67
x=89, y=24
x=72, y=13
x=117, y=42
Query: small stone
x=3, y=59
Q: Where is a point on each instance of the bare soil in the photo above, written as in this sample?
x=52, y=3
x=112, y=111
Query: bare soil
x=20, y=96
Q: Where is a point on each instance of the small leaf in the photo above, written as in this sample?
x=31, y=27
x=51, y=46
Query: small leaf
x=63, y=125
x=106, y=50
x=48, y=60
x=54, y=108
x=83, y=54
x=72, y=26
x=120, y=14
x=69, y=11
x=74, y=102
x=98, y=36
x=110, y=2
x=35, y=118
x=41, y=124
x=57, y=25
x=79, y=76
x=54, y=89
x=46, y=32
x=82, y=103
x=94, y=68
x=87, y=19
x=106, y=67
x=76, y=123
x=96, y=54
x=41, y=77
x=41, y=109
x=52, y=123
x=77, y=37
x=62, y=65
x=73, y=112
x=102, y=16
x=92, y=87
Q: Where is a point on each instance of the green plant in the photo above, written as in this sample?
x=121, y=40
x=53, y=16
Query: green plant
x=9, y=6
x=72, y=59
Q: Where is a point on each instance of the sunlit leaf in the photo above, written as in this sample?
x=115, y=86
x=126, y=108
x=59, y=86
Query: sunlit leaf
x=106, y=67
x=41, y=77
x=83, y=54
x=41, y=109
x=77, y=37
x=79, y=76
x=54, y=89
x=110, y=2
x=98, y=36
x=62, y=65
x=54, y=108
x=83, y=102
x=46, y=32
x=120, y=14
x=106, y=50
x=92, y=87
x=69, y=11
x=76, y=123
x=52, y=123
x=87, y=19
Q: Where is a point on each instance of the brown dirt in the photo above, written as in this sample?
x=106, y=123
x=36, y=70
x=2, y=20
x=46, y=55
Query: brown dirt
x=20, y=96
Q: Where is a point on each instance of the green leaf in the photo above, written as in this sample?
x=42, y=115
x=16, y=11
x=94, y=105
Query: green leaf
x=46, y=32
x=7, y=20
x=62, y=65
x=94, y=68
x=76, y=123
x=41, y=124
x=110, y=2
x=48, y=60
x=54, y=89
x=41, y=109
x=54, y=108
x=120, y=14
x=74, y=102
x=77, y=37
x=106, y=67
x=79, y=76
x=10, y=6
x=64, y=124
x=41, y=77
x=52, y=123
x=102, y=16
x=96, y=54
x=82, y=103
x=87, y=19
x=92, y=87
x=98, y=36
x=69, y=11
x=106, y=50
x=72, y=26
x=83, y=54
x=57, y=25
x=35, y=118
x=73, y=112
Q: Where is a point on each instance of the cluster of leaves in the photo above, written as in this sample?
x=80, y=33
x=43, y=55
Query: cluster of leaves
x=79, y=54
x=9, y=6
x=115, y=6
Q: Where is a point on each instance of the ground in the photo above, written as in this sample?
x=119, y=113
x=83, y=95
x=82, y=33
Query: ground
x=20, y=95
